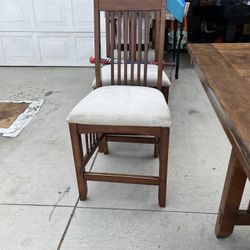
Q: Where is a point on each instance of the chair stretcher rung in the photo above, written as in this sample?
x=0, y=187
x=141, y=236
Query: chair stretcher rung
x=122, y=178
x=243, y=218
x=131, y=139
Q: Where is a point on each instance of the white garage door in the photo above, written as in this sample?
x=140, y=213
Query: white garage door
x=46, y=32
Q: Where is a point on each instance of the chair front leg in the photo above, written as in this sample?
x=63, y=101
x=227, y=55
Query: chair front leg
x=163, y=159
x=76, y=142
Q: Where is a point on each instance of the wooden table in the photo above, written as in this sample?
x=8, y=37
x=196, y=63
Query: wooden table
x=224, y=71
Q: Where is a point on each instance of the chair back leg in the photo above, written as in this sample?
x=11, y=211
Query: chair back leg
x=103, y=147
x=156, y=149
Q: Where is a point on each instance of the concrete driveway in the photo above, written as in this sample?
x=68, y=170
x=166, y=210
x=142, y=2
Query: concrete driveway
x=39, y=206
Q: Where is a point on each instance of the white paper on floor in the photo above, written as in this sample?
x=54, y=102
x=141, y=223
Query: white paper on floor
x=23, y=119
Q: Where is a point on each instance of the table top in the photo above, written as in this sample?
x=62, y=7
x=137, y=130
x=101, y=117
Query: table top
x=224, y=71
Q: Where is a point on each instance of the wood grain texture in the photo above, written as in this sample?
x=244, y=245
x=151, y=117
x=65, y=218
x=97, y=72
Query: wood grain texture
x=97, y=43
x=146, y=40
x=128, y=38
x=112, y=47
x=132, y=44
x=125, y=30
x=122, y=178
x=107, y=23
x=230, y=201
x=119, y=24
x=76, y=143
x=139, y=48
x=157, y=31
x=222, y=70
x=130, y=5
x=161, y=49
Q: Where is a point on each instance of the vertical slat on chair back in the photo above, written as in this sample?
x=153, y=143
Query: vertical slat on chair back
x=127, y=39
x=157, y=32
x=112, y=47
x=146, y=17
x=139, y=59
x=119, y=35
x=125, y=45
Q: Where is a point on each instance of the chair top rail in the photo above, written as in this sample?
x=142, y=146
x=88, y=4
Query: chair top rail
x=128, y=5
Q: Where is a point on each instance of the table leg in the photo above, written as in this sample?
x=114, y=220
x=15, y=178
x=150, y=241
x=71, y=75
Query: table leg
x=178, y=52
x=231, y=197
x=229, y=33
x=175, y=39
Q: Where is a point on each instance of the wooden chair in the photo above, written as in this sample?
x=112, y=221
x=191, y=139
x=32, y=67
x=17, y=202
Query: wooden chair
x=127, y=106
x=152, y=68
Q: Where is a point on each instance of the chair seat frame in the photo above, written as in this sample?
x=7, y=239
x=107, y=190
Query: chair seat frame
x=97, y=133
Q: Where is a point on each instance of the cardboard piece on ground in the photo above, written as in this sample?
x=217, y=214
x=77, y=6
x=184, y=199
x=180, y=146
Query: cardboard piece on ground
x=15, y=115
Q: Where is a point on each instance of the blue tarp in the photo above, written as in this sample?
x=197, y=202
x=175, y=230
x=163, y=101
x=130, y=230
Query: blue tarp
x=176, y=8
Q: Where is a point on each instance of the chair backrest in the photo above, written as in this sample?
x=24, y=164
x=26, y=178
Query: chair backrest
x=127, y=39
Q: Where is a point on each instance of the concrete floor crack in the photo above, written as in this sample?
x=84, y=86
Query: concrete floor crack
x=68, y=224
x=61, y=196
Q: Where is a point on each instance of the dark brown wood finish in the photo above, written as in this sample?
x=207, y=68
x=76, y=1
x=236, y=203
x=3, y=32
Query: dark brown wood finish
x=234, y=187
x=125, y=42
x=107, y=19
x=112, y=46
x=157, y=31
x=87, y=143
x=119, y=24
x=109, y=129
x=121, y=17
x=122, y=138
x=141, y=45
x=224, y=71
x=132, y=5
x=126, y=26
x=103, y=146
x=161, y=50
x=139, y=49
x=146, y=41
x=97, y=44
x=111, y=132
x=123, y=178
x=132, y=44
x=163, y=153
x=76, y=142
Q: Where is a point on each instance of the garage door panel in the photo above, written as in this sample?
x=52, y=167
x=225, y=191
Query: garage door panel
x=2, y=56
x=56, y=50
x=52, y=14
x=47, y=32
x=84, y=22
x=85, y=48
x=84, y=44
x=16, y=14
x=47, y=49
x=19, y=49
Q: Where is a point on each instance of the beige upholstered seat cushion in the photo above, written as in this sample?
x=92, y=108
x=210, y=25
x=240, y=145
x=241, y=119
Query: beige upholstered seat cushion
x=122, y=105
x=152, y=72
